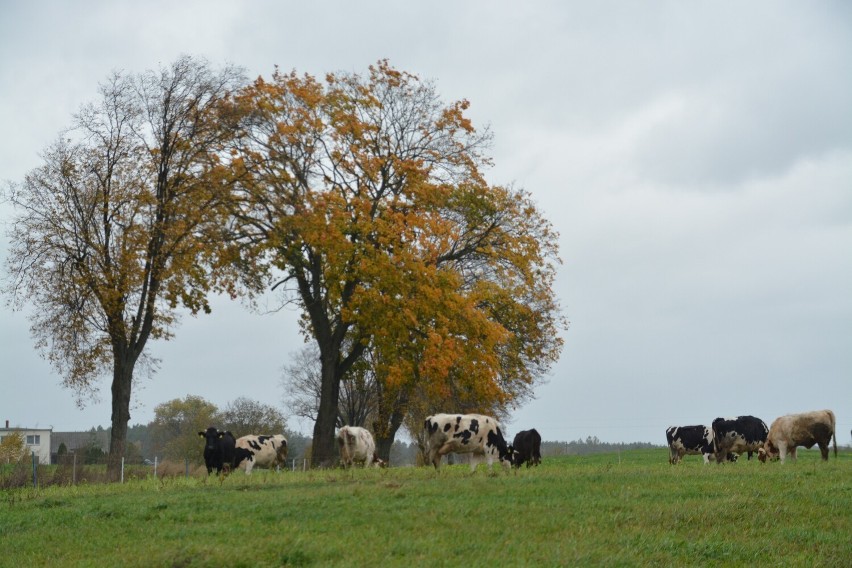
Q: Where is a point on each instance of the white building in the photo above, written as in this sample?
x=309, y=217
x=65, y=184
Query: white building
x=36, y=440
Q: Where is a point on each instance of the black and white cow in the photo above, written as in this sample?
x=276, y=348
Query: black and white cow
x=733, y=436
x=260, y=451
x=474, y=434
x=218, y=449
x=692, y=440
x=527, y=446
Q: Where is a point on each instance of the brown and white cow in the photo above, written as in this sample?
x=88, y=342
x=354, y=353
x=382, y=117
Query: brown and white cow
x=474, y=434
x=788, y=432
x=260, y=451
x=356, y=445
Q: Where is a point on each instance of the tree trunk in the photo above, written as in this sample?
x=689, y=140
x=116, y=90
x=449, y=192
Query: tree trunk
x=383, y=446
x=122, y=381
x=386, y=432
x=323, y=449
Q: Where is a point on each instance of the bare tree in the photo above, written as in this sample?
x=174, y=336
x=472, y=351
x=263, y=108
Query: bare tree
x=302, y=384
x=245, y=416
x=121, y=225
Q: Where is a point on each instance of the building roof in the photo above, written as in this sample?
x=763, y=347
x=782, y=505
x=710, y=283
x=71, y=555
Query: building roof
x=79, y=440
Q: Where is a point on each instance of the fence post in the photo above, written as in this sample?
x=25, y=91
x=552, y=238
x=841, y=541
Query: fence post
x=155, y=467
x=186, y=464
x=35, y=475
x=122, y=469
x=74, y=471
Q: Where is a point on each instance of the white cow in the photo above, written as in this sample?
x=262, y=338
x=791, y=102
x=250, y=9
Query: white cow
x=260, y=451
x=474, y=434
x=357, y=446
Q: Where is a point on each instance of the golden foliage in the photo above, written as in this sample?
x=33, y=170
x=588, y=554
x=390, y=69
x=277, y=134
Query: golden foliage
x=367, y=193
x=12, y=447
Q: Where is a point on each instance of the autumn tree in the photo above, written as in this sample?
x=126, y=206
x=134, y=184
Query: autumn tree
x=177, y=423
x=117, y=228
x=12, y=447
x=366, y=193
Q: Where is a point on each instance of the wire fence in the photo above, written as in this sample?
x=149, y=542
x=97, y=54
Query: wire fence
x=71, y=469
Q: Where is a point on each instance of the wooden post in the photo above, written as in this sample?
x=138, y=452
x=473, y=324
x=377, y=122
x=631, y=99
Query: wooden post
x=35, y=474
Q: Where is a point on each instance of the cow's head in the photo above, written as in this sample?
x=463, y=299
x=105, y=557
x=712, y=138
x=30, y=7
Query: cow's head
x=211, y=437
x=517, y=459
x=509, y=457
x=768, y=452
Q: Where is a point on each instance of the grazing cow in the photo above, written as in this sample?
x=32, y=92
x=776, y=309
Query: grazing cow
x=527, y=446
x=733, y=436
x=806, y=429
x=260, y=451
x=475, y=434
x=218, y=449
x=692, y=440
x=357, y=446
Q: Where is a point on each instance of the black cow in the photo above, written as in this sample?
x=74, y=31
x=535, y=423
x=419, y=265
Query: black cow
x=690, y=440
x=527, y=446
x=218, y=449
x=738, y=435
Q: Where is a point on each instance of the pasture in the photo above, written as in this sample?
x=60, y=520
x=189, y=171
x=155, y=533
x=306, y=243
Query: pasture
x=625, y=509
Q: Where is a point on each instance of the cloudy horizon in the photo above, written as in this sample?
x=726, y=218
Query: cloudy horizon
x=696, y=160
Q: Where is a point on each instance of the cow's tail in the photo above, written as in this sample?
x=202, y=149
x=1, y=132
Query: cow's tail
x=833, y=431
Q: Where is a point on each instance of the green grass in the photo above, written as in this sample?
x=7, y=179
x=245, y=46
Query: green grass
x=605, y=510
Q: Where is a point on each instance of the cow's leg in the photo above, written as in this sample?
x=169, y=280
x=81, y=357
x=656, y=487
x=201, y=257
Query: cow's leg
x=823, y=449
x=793, y=453
x=782, y=451
x=474, y=461
x=435, y=456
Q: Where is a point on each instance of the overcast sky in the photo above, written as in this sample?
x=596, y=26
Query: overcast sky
x=695, y=158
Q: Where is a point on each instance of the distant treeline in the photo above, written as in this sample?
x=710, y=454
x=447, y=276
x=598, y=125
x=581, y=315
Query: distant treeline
x=591, y=445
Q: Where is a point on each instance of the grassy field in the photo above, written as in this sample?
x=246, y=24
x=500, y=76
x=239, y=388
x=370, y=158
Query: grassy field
x=623, y=509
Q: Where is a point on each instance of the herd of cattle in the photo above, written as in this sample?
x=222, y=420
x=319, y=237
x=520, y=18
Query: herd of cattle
x=481, y=437
x=475, y=434
x=727, y=438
